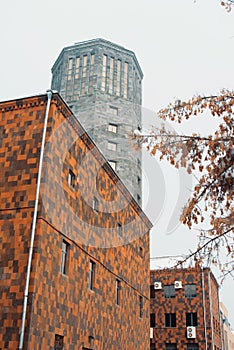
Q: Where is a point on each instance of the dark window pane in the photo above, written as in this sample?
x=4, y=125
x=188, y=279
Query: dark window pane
x=169, y=291
x=152, y=320
x=192, y=346
x=152, y=292
x=170, y=320
x=190, y=290
x=191, y=319
x=58, y=342
x=171, y=346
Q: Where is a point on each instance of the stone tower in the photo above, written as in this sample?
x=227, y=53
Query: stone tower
x=101, y=82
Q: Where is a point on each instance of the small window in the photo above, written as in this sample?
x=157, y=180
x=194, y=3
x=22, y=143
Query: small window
x=152, y=320
x=170, y=320
x=138, y=179
x=112, y=146
x=120, y=229
x=141, y=252
x=152, y=292
x=58, y=342
x=190, y=290
x=91, y=274
x=169, y=291
x=138, y=197
x=117, y=291
x=171, y=346
x=113, y=164
x=113, y=110
x=71, y=178
x=95, y=204
x=152, y=345
x=191, y=319
x=113, y=128
x=140, y=306
x=64, y=262
x=192, y=346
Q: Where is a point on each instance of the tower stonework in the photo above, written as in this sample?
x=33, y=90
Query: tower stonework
x=101, y=82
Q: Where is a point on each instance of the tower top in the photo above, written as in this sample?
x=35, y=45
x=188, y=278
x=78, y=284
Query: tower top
x=99, y=42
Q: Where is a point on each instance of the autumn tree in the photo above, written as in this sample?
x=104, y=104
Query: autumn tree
x=227, y=4
x=210, y=159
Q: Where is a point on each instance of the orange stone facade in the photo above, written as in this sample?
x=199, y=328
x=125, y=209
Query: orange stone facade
x=186, y=308
x=89, y=280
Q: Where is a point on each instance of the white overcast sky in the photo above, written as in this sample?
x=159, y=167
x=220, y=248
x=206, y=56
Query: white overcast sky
x=183, y=47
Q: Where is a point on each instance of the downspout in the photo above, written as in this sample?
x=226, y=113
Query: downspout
x=204, y=306
x=211, y=314
x=21, y=341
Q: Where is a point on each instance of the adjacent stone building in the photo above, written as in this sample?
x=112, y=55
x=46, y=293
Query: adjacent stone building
x=102, y=84
x=74, y=243
x=184, y=309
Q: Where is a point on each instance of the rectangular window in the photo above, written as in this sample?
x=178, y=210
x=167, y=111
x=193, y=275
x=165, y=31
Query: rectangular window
x=95, y=204
x=191, y=319
x=192, y=346
x=120, y=229
x=69, y=79
x=170, y=320
x=152, y=320
x=113, y=110
x=152, y=292
x=111, y=75
x=138, y=197
x=171, y=346
x=64, y=261
x=169, y=291
x=113, y=164
x=118, y=78
x=190, y=290
x=58, y=342
x=140, y=306
x=112, y=146
x=84, y=75
x=91, y=274
x=125, y=80
x=117, y=291
x=112, y=128
x=71, y=178
x=76, y=79
x=104, y=66
x=152, y=345
x=91, y=73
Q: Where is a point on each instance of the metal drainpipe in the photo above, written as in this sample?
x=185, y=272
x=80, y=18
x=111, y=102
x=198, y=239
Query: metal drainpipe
x=21, y=341
x=211, y=314
x=204, y=306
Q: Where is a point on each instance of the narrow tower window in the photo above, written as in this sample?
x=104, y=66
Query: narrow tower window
x=91, y=274
x=125, y=80
x=118, y=78
x=117, y=286
x=104, y=65
x=64, y=262
x=111, y=75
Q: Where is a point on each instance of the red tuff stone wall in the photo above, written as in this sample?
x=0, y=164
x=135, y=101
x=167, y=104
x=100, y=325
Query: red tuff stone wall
x=205, y=304
x=113, y=236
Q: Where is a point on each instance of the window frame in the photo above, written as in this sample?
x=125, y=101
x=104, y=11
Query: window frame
x=117, y=291
x=152, y=320
x=113, y=128
x=71, y=179
x=92, y=267
x=188, y=293
x=170, y=320
x=191, y=319
x=112, y=146
x=64, y=258
x=169, y=291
